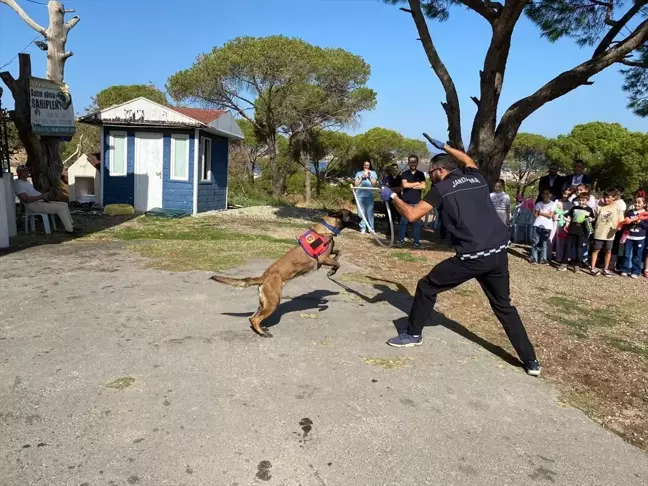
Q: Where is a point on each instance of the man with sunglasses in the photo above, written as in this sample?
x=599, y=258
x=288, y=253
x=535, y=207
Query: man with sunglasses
x=480, y=239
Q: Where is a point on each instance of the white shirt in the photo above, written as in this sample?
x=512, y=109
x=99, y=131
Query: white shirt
x=622, y=204
x=26, y=187
x=543, y=221
x=576, y=179
x=500, y=200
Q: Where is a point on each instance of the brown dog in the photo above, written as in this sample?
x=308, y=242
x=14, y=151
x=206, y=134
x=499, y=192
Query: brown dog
x=315, y=249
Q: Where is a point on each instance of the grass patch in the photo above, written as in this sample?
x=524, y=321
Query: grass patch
x=193, y=243
x=389, y=363
x=580, y=317
x=463, y=292
x=121, y=383
x=406, y=256
x=627, y=346
x=179, y=256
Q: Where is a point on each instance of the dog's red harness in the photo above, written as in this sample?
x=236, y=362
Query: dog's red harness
x=313, y=243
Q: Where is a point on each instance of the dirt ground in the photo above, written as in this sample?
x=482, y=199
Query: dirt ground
x=591, y=332
x=104, y=330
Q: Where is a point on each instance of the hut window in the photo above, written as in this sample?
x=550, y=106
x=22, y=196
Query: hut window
x=118, y=147
x=205, y=159
x=180, y=157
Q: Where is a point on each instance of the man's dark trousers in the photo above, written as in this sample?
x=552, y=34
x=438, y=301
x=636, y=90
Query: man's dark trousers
x=493, y=275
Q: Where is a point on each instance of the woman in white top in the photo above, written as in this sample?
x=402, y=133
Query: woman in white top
x=502, y=202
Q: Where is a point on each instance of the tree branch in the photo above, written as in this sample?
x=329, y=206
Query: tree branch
x=69, y=25
x=491, y=77
x=617, y=27
x=67, y=55
x=638, y=64
x=485, y=9
x=23, y=15
x=451, y=106
x=566, y=82
x=9, y=80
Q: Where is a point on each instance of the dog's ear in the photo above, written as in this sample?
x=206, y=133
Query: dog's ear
x=346, y=215
x=335, y=214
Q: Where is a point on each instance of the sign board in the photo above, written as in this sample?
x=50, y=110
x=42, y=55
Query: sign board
x=52, y=113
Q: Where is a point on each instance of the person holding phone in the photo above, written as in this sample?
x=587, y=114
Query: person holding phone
x=366, y=178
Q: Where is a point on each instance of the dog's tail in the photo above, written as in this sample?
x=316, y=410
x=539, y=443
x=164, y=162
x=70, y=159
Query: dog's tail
x=238, y=282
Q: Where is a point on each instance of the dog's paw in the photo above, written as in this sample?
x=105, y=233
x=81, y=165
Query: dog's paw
x=331, y=272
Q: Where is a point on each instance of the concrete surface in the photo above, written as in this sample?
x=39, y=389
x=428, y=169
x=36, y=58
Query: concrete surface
x=213, y=404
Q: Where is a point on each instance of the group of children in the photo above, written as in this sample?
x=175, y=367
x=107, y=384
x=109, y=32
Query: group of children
x=571, y=225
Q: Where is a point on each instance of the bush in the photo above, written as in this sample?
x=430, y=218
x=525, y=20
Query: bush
x=243, y=192
x=332, y=196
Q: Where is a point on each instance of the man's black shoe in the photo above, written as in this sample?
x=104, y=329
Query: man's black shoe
x=532, y=367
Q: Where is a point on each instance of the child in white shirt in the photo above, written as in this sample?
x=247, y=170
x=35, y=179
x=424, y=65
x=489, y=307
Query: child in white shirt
x=542, y=227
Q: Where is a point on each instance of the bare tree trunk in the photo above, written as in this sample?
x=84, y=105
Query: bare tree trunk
x=451, y=105
x=318, y=180
x=307, y=182
x=43, y=153
x=489, y=142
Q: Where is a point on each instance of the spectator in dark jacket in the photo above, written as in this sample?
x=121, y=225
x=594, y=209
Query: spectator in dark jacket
x=578, y=177
x=551, y=181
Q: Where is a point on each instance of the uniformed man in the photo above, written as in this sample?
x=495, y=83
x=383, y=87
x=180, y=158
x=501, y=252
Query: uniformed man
x=479, y=238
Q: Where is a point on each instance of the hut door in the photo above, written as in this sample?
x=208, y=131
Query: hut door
x=148, y=171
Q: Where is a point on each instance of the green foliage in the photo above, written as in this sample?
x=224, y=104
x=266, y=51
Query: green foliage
x=636, y=84
x=613, y=154
x=15, y=145
x=115, y=95
x=332, y=195
x=244, y=192
x=86, y=139
x=569, y=18
x=527, y=159
x=289, y=84
x=384, y=146
x=334, y=147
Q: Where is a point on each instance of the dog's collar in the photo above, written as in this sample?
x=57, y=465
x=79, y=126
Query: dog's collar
x=332, y=229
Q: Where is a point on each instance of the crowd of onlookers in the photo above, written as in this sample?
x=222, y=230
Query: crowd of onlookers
x=572, y=227
x=566, y=223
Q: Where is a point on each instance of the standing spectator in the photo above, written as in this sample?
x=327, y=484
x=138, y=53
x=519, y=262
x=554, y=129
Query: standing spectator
x=636, y=239
x=578, y=177
x=562, y=208
x=502, y=202
x=394, y=181
x=605, y=228
x=366, y=178
x=585, y=189
x=579, y=219
x=617, y=246
x=551, y=181
x=413, y=183
x=542, y=226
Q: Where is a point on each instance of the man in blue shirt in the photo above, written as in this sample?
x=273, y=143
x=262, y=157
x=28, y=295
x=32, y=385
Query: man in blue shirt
x=413, y=184
x=368, y=179
x=479, y=238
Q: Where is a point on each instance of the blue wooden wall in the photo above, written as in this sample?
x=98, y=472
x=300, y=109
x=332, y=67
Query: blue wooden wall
x=177, y=194
x=120, y=189
x=213, y=195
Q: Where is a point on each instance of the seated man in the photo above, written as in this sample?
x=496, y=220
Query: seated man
x=39, y=203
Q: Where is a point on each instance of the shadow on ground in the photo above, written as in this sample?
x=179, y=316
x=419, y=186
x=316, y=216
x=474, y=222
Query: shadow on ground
x=310, y=301
x=87, y=223
x=401, y=299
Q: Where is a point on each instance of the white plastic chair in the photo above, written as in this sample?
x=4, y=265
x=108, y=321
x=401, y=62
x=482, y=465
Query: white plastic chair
x=30, y=221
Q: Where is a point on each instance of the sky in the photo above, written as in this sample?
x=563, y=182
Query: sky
x=142, y=41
